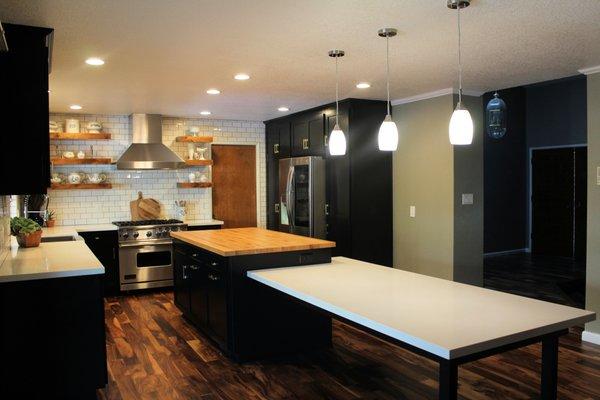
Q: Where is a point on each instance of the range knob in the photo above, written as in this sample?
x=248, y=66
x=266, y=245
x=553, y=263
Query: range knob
x=125, y=235
x=135, y=235
x=149, y=233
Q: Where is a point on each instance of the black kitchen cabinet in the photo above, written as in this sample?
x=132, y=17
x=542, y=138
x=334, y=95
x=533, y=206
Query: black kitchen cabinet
x=203, y=227
x=105, y=247
x=358, y=184
x=24, y=138
x=245, y=320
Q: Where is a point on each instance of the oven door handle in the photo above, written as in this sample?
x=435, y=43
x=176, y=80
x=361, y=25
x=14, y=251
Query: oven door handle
x=149, y=243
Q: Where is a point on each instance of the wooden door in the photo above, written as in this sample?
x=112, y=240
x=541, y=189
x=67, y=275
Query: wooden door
x=234, y=185
x=554, y=206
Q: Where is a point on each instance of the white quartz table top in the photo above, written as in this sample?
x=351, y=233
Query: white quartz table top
x=49, y=260
x=442, y=317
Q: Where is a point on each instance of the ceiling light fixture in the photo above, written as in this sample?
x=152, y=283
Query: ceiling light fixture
x=337, y=139
x=95, y=61
x=75, y=107
x=205, y=113
x=242, y=77
x=460, y=130
x=213, y=91
x=363, y=85
x=283, y=109
x=388, y=131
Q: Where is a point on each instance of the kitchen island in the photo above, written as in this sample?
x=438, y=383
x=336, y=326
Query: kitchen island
x=246, y=320
x=52, y=338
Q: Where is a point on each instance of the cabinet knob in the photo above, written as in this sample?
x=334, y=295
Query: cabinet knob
x=214, y=264
x=305, y=144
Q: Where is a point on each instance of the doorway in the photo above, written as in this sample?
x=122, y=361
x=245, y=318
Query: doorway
x=559, y=201
x=234, y=185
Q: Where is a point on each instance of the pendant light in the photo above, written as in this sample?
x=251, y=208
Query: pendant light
x=337, y=139
x=388, y=131
x=461, y=123
x=496, y=117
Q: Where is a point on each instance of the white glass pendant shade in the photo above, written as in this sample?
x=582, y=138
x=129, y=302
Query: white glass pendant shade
x=337, y=142
x=461, y=127
x=388, y=135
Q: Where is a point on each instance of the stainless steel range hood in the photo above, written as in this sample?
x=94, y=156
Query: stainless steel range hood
x=147, y=150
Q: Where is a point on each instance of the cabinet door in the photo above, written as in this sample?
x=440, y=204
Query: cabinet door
x=217, y=303
x=198, y=293
x=272, y=133
x=24, y=98
x=300, y=140
x=285, y=139
x=316, y=135
x=104, y=246
x=181, y=289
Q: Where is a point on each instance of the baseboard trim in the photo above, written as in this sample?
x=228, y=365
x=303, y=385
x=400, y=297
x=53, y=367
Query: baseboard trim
x=590, y=337
x=500, y=253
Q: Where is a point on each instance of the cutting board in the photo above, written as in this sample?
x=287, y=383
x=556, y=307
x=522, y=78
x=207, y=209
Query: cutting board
x=144, y=209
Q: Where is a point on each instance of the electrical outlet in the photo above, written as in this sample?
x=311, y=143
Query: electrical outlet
x=467, y=198
x=412, y=211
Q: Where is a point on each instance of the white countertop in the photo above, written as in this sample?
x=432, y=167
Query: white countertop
x=73, y=230
x=442, y=317
x=204, y=222
x=49, y=260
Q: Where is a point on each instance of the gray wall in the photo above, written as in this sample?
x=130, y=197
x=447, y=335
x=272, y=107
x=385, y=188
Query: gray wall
x=592, y=295
x=468, y=219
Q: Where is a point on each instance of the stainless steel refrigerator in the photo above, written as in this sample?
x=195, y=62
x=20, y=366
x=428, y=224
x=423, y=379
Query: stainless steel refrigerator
x=302, y=196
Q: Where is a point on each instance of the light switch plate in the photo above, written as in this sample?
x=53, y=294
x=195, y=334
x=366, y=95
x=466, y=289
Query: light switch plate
x=598, y=176
x=413, y=211
x=467, y=198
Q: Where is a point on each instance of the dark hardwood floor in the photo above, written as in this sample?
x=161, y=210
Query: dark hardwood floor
x=154, y=354
x=556, y=279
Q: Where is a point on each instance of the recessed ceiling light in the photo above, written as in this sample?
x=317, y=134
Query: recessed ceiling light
x=75, y=107
x=283, y=109
x=363, y=85
x=242, y=77
x=213, y=91
x=205, y=113
x=217, y=129
x=95, y=61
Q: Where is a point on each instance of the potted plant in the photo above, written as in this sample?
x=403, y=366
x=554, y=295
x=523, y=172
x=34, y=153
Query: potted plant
x=50, y=221
x=27, y=231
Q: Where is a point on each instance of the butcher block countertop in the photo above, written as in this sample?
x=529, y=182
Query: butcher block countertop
x=244, y=241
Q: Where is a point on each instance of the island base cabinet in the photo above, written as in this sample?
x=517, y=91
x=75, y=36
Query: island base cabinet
x=52, y=338
x=246, y=320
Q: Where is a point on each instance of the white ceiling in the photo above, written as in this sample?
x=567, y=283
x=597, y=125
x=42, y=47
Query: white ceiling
x=161, y=55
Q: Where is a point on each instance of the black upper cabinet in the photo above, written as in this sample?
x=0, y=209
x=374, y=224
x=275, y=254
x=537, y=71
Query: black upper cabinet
x=24, y=138
x=359, y=184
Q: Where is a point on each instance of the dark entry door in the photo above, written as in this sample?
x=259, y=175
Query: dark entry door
x=558, y=180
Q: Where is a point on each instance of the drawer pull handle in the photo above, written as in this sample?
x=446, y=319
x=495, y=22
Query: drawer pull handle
x=212, y=277
x=276, y=148
x=305, y=144
x=277, y=208
x=214, y=264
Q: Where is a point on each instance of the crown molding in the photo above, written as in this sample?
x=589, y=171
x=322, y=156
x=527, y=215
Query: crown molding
x=590, y=70
x=437, y=93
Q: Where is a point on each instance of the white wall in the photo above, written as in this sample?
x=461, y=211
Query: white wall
x=105, y=206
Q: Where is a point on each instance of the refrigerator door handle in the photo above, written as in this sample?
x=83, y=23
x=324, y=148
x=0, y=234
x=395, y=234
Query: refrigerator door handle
x=288, y=195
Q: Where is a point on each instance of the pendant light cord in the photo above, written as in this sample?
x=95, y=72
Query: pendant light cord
x=459, y=55
x=387, y=71
x=337, y=107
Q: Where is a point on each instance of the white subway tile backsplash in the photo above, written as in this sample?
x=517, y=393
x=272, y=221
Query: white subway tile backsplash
x=74, y=207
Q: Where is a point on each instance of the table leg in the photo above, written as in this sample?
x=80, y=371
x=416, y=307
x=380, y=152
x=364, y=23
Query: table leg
x=549, y=368
x=448, y=380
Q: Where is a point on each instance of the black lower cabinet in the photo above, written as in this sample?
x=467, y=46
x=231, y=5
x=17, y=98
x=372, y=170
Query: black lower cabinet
x=244, y=319
x=104, y=245
x=52, y=338
x=203, y=227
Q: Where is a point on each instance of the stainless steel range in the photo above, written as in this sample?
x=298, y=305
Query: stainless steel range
x=145, y=253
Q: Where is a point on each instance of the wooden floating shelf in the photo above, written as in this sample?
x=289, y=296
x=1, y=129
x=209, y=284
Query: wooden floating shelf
x=81, y=161
x=198, y=162
x=70, y=186
x=194, y=139
x=193, y=185
x=79, y=136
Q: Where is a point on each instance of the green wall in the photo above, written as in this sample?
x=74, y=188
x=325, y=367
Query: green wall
x=592, y=297
x=445, y=239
